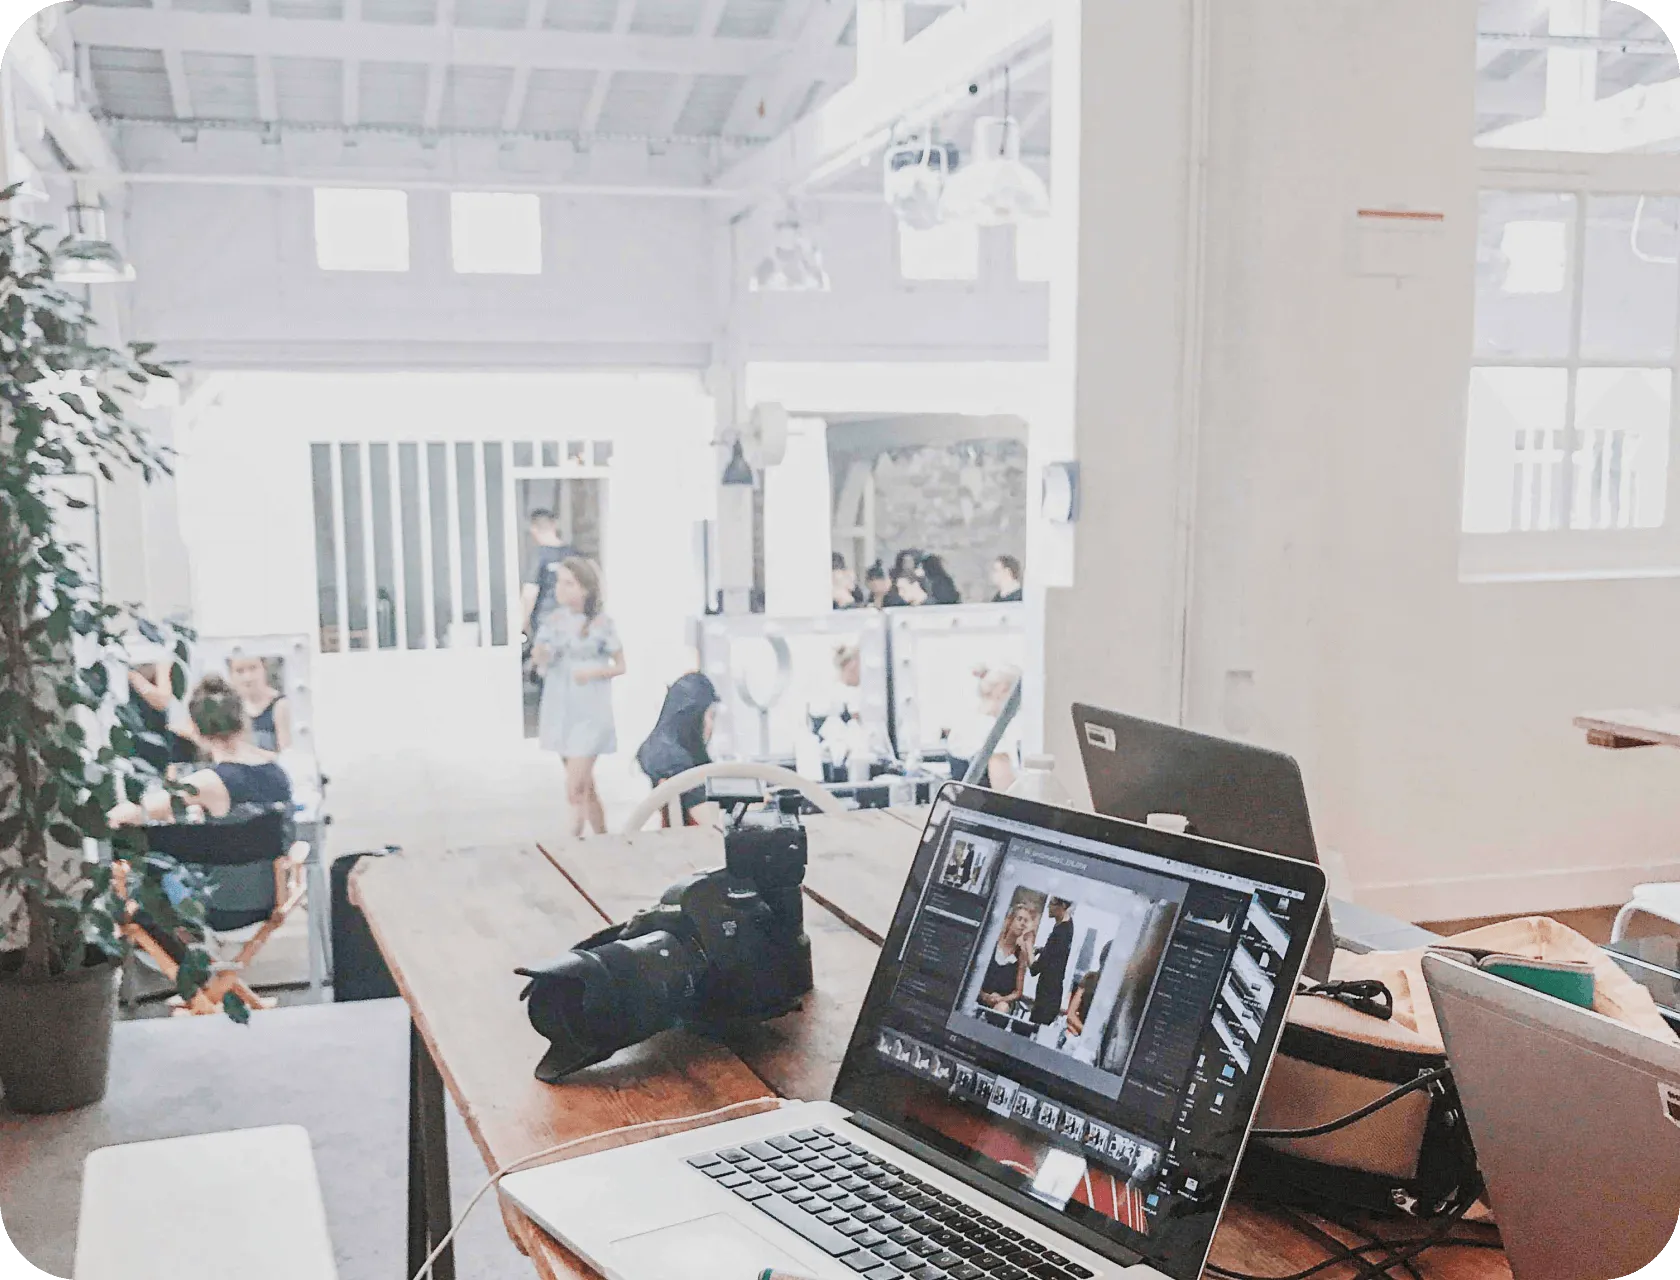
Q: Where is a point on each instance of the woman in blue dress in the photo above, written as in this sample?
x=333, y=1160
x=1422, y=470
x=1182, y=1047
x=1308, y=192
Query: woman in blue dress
x=579, y=653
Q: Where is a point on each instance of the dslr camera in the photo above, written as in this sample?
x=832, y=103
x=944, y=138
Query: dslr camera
x=720, y=947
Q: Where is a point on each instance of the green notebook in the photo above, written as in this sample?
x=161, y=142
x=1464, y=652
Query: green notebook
x=1570, y=980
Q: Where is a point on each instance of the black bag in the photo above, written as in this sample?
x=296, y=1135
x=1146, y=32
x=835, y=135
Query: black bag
x=359, y=970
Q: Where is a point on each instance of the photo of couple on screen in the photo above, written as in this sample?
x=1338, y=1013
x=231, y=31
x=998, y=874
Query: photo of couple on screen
x=1065, y=964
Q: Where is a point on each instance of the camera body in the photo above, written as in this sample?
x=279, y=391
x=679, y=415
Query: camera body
x=720, y=947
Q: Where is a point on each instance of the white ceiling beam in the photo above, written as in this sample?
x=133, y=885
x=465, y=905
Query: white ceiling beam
x=350, y=78
x=597, y=102
x=437, y=74
x=357, y=40
x=766, y=98
x=52, y=91
x=705, y=27
x=1633, y=120
x=623, y=17
x=175, y=71
x=919, y=82
x=513, y=110
x=880, y=30
x=268, y=105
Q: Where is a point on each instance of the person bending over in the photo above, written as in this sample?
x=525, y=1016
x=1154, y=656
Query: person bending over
x=941, y=587
x=679, y=740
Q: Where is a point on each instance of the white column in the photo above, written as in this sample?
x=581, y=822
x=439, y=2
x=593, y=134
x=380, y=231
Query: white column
x=1111, y=589
x=880, y=30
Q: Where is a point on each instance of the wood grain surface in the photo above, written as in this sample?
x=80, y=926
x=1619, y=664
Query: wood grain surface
x=454, y=926
x=1632, y=727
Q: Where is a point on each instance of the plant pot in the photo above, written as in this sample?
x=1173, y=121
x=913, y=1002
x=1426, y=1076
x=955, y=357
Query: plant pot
x=55, y=1035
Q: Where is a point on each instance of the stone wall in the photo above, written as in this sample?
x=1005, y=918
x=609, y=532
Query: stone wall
x=965, y=501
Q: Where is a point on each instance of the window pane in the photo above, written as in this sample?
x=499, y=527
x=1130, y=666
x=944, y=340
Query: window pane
x=1573, y=75
x=361, y=230
x=603, y=452
x=551, y=453
x=326, y=550
x=413, y=561
x=355, y=546
x=384, y=559
x=437, y=497
x=496, y=525
x=522, y=455
x=950, y=251
x=1629, y=288
x=1513, y=458
x=466, y=508
x=1033, y=250
x=1620, y=465
x=1524, y=274
x=495, y=233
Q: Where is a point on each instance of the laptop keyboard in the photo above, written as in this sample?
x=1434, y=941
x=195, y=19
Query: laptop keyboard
x=880, y=1221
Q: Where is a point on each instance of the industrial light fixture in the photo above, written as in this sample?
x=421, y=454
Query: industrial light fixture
x=995, y=188
x=794, y=263
x=85, y=255
x=736, y=472
x=914, y=173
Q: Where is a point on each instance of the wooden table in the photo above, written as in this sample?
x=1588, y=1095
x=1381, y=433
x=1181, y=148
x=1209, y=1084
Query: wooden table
x=1633, y=727
x=454, y=925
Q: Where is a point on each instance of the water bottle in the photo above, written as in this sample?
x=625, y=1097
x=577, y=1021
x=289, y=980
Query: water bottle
x=1037, y=781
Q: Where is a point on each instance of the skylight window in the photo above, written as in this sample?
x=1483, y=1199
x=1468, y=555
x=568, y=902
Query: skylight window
x=361, y=229
x=495, y=233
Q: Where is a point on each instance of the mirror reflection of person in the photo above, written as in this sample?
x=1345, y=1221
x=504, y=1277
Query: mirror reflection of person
x=844, y=586
x=265, y=706
x=1006, y=580
x=239, y=772
x=1052, y=962
x=1006, y=968
x=879, y=587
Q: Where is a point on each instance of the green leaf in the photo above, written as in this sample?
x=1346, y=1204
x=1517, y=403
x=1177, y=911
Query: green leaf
x=65, y=834
x=236, y=1009
x=178, y=680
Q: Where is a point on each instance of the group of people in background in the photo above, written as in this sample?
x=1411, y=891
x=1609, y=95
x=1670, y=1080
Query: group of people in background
x=915, y=578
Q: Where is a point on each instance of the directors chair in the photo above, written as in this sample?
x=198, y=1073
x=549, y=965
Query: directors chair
x=254, y=872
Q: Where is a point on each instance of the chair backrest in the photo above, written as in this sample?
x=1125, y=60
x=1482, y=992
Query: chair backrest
x=237, y=856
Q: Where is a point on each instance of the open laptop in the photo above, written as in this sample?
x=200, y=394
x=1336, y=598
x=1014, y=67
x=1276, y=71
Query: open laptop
x=1576, y=1121
x=1230, y=791
x=1082, y=1121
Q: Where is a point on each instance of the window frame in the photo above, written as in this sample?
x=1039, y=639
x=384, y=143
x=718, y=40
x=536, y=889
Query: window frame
x=1569, y=553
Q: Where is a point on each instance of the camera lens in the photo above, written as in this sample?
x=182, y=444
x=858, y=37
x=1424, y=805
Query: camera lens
x=590, y=1004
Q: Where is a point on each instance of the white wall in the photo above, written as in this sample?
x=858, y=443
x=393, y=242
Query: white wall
x=1432, y=718
x=228, y=278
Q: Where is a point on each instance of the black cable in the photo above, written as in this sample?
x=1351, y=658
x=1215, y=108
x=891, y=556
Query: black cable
x=1353, y=1255
x=1318, y=1130
x=1319, y=1236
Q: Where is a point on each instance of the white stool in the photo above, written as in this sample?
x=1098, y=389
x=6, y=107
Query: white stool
x=243, y=1203
x=1662, y=900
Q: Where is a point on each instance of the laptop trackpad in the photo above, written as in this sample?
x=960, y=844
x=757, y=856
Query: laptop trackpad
x=713, y=1248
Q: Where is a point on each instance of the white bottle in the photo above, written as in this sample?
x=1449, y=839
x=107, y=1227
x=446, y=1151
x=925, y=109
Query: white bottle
x=1037, y=781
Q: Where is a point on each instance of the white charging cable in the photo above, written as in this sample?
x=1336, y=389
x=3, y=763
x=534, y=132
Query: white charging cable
x=537, y=1157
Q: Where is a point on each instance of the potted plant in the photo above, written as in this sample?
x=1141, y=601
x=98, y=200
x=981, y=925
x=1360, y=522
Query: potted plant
x=64, y=402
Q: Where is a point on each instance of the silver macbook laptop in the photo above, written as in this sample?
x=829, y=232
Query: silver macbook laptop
x=1576, y=1121
x=1053, y=1075
x=1226, y=790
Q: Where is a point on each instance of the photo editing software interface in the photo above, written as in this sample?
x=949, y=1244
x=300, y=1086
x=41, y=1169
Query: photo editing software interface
x=1083, y=1019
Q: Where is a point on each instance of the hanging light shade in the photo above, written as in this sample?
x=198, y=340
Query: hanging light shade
x=995, y=188
x=914, y=173
x=793, y=265
x=86, y=256
x=737, y=472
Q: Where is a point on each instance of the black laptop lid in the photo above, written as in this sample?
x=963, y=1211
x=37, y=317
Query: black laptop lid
x=1076, y=1015
x=1233, y=792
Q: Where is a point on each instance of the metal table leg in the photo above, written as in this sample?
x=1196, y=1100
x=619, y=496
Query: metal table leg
x=319, y=904
x=429, y=1211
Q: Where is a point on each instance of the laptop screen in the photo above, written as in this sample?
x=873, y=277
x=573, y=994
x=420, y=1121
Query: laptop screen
x=1083, y=1022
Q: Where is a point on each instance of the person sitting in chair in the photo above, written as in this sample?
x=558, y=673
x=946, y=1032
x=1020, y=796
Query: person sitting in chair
x=240, y=772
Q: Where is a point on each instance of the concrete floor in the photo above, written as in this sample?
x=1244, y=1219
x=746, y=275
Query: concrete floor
x=340, y=1071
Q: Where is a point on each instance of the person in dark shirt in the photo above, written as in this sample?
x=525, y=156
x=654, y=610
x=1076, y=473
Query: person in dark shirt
x=537, y=593
x=845, y=589
x=1052, y=962
x=879, y=586
x=941, y=587
x=678, y=741
x=1006, y=577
